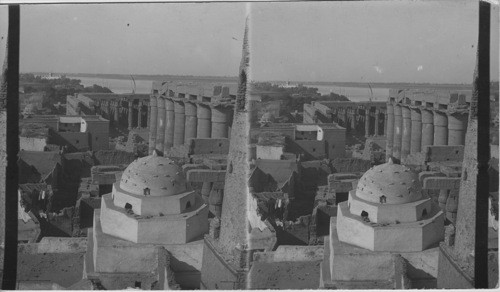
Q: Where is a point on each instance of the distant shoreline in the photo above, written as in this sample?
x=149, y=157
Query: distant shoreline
x=235, y=79
x=146, y=77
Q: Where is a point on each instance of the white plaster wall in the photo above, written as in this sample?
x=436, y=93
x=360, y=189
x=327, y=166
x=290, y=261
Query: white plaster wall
x=116, y=223
x=389, y=213
x=353, y=231
x=269, y=152
x=32, y=144
x=160, y=231
x=292, y=253
x=253, y=218
x=188, y=256
x=153, y=205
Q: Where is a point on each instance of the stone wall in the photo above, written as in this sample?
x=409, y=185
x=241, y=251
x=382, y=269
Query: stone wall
x=32, y=143
x=55, y=245
x=209, y=146
x=220, y=274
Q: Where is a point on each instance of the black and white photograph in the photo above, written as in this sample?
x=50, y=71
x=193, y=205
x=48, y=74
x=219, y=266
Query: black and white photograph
x=311, y=145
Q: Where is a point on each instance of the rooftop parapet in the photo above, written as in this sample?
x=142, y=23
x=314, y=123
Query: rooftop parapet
x=271, y=139
x=431, y=98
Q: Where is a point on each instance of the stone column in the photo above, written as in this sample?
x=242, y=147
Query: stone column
x=160, y=128
x=377, y=122
x=152, y=123
x=204, y=127
x=398, y=132
x=220, y=121
x=108, y=110
x=130, y=113
x=385, y=122
x=179, y=128
x=389, y=130
x=206, y=187
x=440, y=128
x=116, y=114
x=427, y=127
x=139, y=115
x=191, y=121
x=353, y=120
x=148, y=118
x=406, y=139
x=345, y=117
x=367, y=121
x=170, y=124
x=416, y=131
x=457, y=126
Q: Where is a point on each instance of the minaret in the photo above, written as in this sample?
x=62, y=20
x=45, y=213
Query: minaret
x=226, y=252
x=464, y=261
x=234, y=223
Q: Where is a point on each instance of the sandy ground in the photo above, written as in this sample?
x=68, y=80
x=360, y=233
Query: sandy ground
x=63, y=269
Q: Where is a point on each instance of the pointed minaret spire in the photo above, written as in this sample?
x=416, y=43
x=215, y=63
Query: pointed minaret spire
x=471, y=237
x=234, y=223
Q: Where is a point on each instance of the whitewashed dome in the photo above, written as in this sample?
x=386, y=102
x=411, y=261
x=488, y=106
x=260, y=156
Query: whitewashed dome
x=157, y=173
x=389, y=183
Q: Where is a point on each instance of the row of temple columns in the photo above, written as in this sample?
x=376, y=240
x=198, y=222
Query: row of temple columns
x=348, y=117
x=410, y=128
x=132, y=116
x=173, y=121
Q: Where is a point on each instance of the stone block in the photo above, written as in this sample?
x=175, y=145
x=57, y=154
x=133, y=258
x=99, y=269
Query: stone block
x=166, y=229
x=341, y=186
x=395, y=237
x=425, y=174
x=206, y=175
x=187, y=167
x=439, y=183
x=343, y=176
x=443, y=153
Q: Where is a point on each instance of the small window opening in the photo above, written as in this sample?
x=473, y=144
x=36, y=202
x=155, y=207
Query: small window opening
x=147, y=192
x=364, y=216
x=424, y=213
x=128, y=209
x=77, y=141
x=230, y=168
x=137, y=284
x=383, y=199
x=188, y=205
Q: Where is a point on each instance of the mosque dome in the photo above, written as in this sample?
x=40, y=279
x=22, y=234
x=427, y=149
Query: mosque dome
x=389, y=183
x=161, y=175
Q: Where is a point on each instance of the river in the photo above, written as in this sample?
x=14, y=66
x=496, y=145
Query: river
x=144, y=86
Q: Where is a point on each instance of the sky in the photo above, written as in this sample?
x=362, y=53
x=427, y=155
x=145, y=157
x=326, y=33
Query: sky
x=373, y=41
x=370, y=41
x=180, y=39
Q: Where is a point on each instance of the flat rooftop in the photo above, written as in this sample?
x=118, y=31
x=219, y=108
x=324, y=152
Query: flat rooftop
x=304, y=127
x=271, y=139
x=107, y=96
